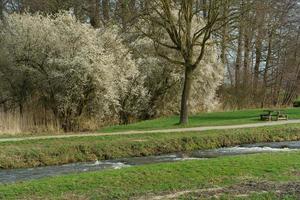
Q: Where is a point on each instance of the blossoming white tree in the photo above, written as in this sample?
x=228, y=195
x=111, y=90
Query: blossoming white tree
x=126, y=85
x=72, y=66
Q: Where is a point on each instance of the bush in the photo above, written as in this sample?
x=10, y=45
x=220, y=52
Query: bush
x=296, y=103
x=68, y=68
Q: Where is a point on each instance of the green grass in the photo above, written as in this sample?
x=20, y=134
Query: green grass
x=158, y=178
x=203, y=119
x=32, y=153
x=161, y=178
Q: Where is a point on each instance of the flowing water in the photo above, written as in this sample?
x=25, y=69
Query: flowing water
x=16, y=175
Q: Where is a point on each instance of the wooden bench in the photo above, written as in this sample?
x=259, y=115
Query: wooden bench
x=281, y=115
x=276, y=115
x=266, y=116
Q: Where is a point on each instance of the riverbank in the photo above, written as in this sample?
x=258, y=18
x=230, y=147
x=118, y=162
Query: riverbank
x=24, y=154
x=19, y=175
x=264, y=173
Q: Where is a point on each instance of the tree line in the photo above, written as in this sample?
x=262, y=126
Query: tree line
x=126, y=60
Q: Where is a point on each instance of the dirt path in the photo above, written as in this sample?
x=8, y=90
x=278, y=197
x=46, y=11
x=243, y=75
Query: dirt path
x=244, y=189
x=262, y=124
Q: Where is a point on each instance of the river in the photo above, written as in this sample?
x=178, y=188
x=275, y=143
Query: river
x=17, y=175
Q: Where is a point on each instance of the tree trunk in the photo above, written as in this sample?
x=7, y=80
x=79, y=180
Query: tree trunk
x=266, y=70
x=95, y=13
x=122, y=12
x=238, y=62
x=204, y=8
x=21, y=109
x=106, y=9
x=224, y=44
x=1, y=9
x=246, y=59
x=260, y=17
x=188, y=78
x=258, y=51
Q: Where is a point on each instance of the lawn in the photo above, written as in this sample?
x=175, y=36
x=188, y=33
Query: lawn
x=203, y=119
x=33, y=153
x=271, y=171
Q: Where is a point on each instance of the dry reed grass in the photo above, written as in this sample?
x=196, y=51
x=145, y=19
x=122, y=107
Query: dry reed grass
x=13, y=123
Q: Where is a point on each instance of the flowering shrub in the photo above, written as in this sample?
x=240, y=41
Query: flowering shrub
x=74, y=68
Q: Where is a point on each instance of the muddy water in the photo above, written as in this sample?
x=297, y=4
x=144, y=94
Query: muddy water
x=16, y=175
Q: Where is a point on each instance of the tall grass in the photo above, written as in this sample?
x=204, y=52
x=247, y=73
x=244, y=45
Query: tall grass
x=13, y=123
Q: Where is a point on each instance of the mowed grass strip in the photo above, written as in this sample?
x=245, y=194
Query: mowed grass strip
x=161, y=178
x=203, y=119
x=33, y=153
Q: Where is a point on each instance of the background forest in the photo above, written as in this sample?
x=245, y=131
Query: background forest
x=79, y=65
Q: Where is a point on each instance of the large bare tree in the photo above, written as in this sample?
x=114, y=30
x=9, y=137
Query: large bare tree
x=187, y=39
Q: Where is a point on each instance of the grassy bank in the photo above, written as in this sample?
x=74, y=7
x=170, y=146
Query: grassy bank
x=168, y=178
x=203, y=119
x=61, y=151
